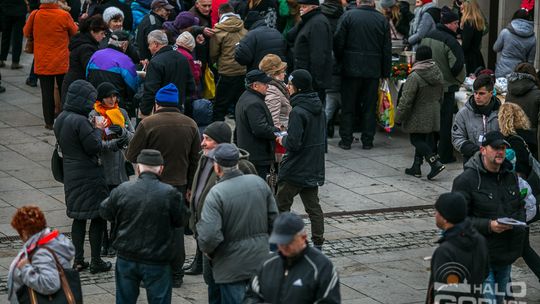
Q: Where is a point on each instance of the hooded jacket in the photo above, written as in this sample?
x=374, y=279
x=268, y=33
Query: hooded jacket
x=491, y=196
x=81, y=47
x=422, y=23
x=470, y=124
x=523, y=91
x=236, y=219
x=420, y=103
x=333, y=11
x=80, y=143
x=42, y=274
x=259, y=41
x=464, y=246
x=516, y=43
x=303, y=163
x=228, y=33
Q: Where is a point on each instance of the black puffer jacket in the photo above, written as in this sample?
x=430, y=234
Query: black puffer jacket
x=309, y=277
x=464, y=246
x=491, y=196
x=146, y=211
x=303, y=163
x=362, y=43
x=80, y=142
x=260, y=41
x=255, y=129
x=150, y=22
x=81, y=47
x=167, y=66
x=313, y=47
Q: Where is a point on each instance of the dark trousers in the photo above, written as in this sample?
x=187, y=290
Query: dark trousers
x=310, y=198
x=530, y=257
x=178, y=263
x=95, y=234
x=423, y=144
x=12, y=35
x=445, y=149
x=32, y=75
x=262, y=170
x=358, y=95
x=228, y=91
x=47, y=95
x=156, y=278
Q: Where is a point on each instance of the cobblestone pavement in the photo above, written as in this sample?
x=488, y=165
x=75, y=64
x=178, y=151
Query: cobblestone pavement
x=379, y=225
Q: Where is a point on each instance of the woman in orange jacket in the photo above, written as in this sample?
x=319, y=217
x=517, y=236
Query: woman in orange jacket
x=50, y=27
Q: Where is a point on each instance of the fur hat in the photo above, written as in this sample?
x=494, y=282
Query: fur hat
x=186, y=41
x=110, y=12
x=271, y=64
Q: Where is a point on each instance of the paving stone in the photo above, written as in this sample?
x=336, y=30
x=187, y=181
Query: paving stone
x=37, y=150
x=407, y=272
x=10, y=160
x=413, y=186
x=20, y=198
x=396, y=199
x=10, y=136
x=20, y=118
x=36, y=173
x=11, y=183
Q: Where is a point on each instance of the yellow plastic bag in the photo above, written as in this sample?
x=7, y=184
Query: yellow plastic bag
x=385, y=107
x=209, y=86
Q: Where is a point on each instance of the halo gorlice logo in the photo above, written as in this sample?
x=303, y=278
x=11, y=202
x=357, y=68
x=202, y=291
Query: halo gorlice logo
x=451, y=287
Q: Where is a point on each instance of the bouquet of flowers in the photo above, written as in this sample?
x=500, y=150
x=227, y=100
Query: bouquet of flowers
x=401, y=70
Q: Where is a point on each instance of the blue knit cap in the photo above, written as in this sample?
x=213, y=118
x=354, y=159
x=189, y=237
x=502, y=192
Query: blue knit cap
x=167, y=96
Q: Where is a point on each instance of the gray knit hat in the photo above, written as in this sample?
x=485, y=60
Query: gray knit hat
x=110, y=12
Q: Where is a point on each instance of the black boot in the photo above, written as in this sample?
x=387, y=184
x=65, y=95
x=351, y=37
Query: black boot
x=330, y=128
x=196, y=266
x=416, y=169
x=99, y=265
x=436, y=166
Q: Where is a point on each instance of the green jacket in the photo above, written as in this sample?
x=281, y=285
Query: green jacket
x=448, y=56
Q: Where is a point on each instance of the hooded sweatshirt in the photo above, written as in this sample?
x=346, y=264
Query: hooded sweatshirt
x=303, y=163
x=516, y=43
x=229, y=31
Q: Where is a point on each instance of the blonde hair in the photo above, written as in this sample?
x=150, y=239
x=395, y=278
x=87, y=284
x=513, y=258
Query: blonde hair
x=393, y=13
x=473, y=15
x=512, y=118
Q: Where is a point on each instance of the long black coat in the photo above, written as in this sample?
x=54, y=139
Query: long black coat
x=13, y=8
x=80, y=142
x=303, y=163
x=471, y=43
x=81, y=48
x=254, y=128
x=313, y=47
x=167, y=66
x=260, y=41
x=362, y=43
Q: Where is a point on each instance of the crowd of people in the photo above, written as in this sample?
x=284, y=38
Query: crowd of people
x=145, y=88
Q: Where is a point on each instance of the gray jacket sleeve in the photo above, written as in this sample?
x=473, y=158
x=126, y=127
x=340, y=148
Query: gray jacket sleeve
x=210, y=225
x=499, y=44
x=426, y=25
x=459, y=130
x=42, y=274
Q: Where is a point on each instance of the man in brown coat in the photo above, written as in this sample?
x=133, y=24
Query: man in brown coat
x=177, y=138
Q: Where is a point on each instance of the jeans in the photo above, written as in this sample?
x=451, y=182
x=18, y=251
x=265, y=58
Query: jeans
x=228, y=91
x=47, y=95
x=423, y=143
x=333, y=100
x=310, y=198
x=12, y=33
x=445, y=148
x=95, y=234
x=358, y=95
x=157, y=282
x=498, y=277
x=530, y=257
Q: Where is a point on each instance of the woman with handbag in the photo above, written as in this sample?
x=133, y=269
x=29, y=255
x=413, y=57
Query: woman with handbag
x=35, y=267
x=119, y=131
x=50, y=28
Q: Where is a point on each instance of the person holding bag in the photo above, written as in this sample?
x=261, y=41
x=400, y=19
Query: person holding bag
x=35, y=266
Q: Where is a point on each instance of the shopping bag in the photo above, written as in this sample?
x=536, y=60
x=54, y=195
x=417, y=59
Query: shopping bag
x=385, y=107
x=209, y=86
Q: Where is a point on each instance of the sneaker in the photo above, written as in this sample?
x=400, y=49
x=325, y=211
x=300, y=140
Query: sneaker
x=99, y=266
x=31, y=82
x=16, y=66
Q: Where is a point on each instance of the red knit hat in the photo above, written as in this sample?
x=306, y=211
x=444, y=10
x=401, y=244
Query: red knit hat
x=426, y=1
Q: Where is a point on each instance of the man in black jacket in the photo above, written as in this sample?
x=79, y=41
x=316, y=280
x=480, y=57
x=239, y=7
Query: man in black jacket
x=362, y=46
x=313, y=45
x=492, y=192
x=143, y=255
x=161, y=9
x=297, y=274
x=260, y=41
x=13, y=15
x=462, y=256
x=254, y=126
x=302, y=169
x=167, y=66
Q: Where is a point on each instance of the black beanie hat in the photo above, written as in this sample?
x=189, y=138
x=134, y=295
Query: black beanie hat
x=311, y=2
x=301, y=80
x=106, y=89
x=423, y=52
x=448, y=16
x=219, y=131
x=452, y=206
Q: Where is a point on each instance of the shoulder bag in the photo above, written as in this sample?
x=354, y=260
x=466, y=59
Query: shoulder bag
x=29, y=46
x=57, y=164
x=70, y=291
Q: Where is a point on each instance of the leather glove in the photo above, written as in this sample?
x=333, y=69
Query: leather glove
x=122, y=142
x=116, y=129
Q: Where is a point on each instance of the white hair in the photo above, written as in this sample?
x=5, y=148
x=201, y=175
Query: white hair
x=147, y=168
x=228, y=169
x=158, y=36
